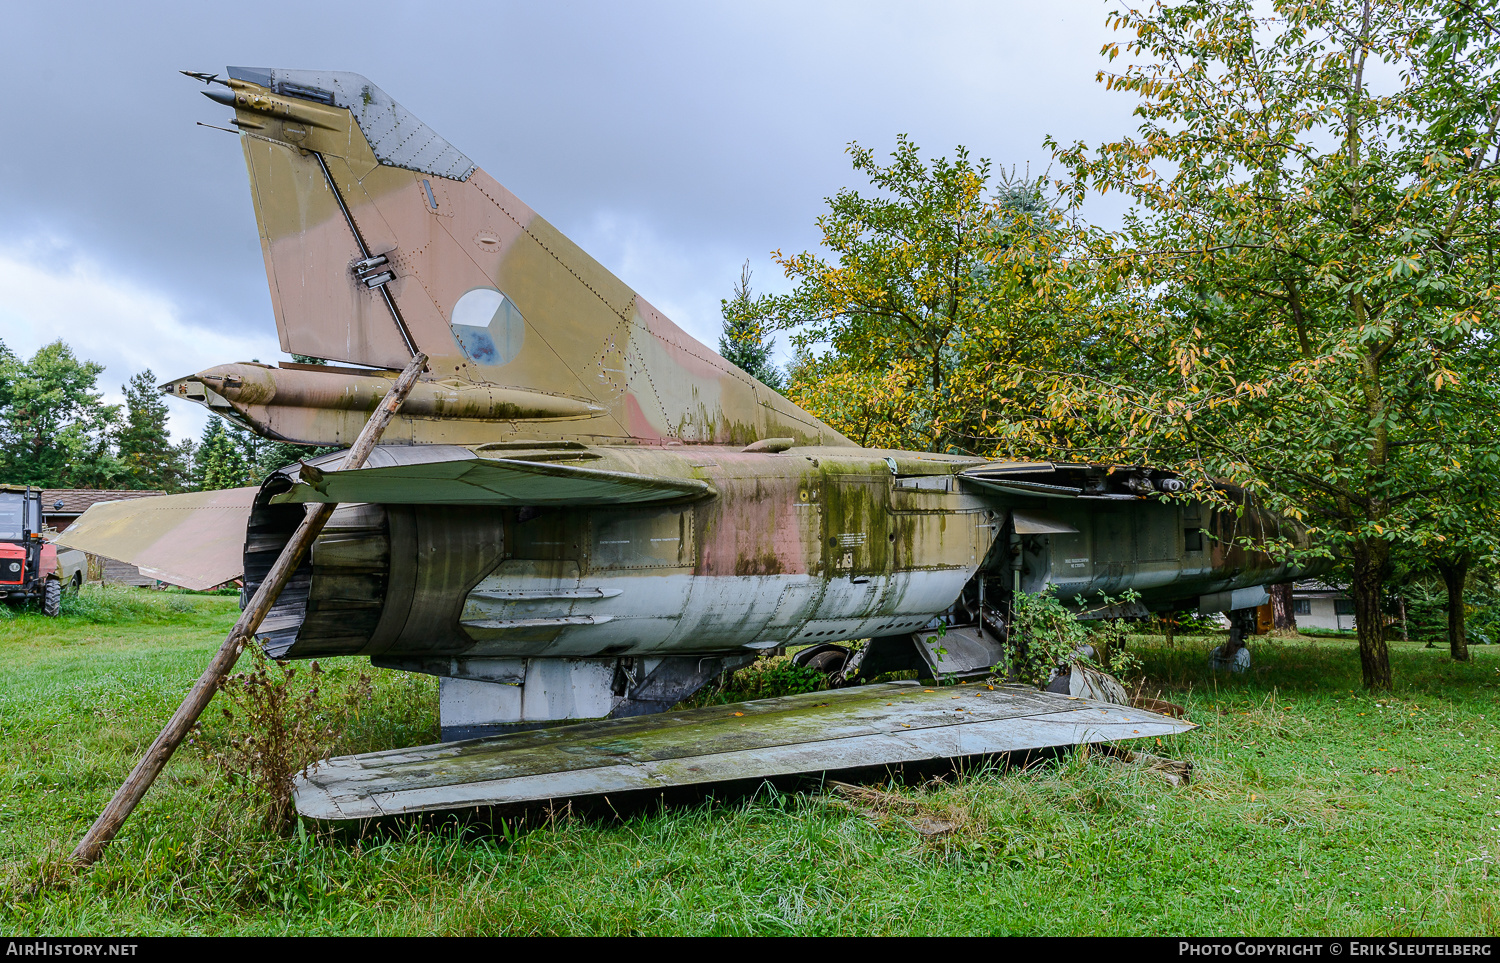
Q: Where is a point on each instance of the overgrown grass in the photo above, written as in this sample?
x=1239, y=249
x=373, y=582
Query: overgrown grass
x=1315, y=809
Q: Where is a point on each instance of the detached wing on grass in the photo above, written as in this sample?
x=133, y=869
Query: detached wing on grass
x=815, y=732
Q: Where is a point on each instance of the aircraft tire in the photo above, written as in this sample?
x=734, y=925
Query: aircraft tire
x=52, y=598
x=830, y=663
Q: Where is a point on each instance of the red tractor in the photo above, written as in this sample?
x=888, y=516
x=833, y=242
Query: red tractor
x=30, y=567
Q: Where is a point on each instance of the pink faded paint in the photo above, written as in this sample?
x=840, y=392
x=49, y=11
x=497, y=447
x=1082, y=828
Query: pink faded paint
x=692, y=355
x=637, y=425
x=759, y=525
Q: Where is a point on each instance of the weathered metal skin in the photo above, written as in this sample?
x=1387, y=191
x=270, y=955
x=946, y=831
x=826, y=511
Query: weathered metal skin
x=796, y=547
x=494, y=295
x=1165, y=551
x=579, y=501
x=808, y=543
x=1092, y=534
x=322, y=404
x=884, y=724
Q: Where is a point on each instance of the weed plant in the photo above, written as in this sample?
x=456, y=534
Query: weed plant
x=278, y=729
x=1046, y=635
x=762, y=679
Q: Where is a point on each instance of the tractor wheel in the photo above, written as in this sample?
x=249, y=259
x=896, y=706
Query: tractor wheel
x=52, y=598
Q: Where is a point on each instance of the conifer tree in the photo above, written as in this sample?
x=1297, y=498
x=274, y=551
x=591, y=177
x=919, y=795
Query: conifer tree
x=146, y=451
x=220, y=462
x=744, y=341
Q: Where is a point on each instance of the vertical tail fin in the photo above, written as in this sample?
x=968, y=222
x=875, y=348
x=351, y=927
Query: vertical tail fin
x=381, y=238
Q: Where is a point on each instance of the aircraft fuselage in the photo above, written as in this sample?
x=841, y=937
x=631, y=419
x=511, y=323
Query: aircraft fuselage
x=783, y=548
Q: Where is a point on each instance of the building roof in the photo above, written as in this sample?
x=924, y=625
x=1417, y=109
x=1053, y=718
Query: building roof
x=1312, y=587
x=76, y=501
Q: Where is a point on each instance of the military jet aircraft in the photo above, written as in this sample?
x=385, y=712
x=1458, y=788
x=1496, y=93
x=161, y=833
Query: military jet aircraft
x=581, y=512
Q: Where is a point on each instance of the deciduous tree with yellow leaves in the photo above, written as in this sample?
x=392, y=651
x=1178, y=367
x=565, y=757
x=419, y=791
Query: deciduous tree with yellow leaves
x=928, y=287
x=1310, y=266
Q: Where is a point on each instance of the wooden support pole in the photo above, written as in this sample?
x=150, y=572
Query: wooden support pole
x=151, y=764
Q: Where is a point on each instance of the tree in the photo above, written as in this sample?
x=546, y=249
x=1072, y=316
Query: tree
x=875, y=408
x=1311, y=273
x=55, y=430
x=1283, y=614
x=221, y=462
x=271, y=455
x=146, y=452
x=232, y=457
x=1463, y=515
x=744, y=341
x=908, y=335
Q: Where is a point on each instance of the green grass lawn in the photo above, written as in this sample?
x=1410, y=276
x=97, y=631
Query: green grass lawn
x=1314, y=809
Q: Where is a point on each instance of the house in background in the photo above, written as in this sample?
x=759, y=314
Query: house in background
x=61, y=508
x=1318, y=605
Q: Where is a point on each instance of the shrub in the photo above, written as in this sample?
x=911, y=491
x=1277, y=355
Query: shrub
x=765, y=678
x=1045, y=636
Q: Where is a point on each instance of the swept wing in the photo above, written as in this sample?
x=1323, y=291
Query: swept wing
x=195, y=539
x=448, y=475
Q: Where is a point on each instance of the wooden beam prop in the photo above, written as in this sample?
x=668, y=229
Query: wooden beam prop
x=151, y=764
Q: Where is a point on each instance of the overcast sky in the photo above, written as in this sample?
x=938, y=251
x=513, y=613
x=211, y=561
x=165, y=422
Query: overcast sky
x=670, y=140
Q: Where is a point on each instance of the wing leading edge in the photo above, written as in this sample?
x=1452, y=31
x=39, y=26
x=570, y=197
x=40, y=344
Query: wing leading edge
x=463, y=478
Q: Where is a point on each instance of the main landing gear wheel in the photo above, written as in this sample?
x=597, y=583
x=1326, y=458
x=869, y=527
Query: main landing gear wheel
x=825, y=657
x=52, y=598
x=828, y=663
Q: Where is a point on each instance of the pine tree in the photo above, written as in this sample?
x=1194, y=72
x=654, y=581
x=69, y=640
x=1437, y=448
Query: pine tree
x=252, y=449
x=185, y=460
x=220, y=462
x=279, y=454
x=230, y=456
x=145, y=446
x=743, y=342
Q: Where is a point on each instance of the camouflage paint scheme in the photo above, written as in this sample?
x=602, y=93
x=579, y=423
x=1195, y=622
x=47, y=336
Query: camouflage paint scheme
x=774, y=547
x=580, y=499
x=599, y=361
